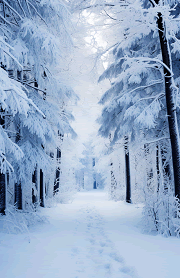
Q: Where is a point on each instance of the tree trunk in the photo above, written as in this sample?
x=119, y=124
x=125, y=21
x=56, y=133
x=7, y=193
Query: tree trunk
x=58, y=172
x=34, y=181
x=165, y=168
x=2, y=176
x=157, y=167
x=170, y=103
x=41, y=189
x=18, y=196
x=94, y=185
x=127, y=170
x=94, y=175
x=149, y=169
x=2, y=193
x=18, y=189
x=113, y=184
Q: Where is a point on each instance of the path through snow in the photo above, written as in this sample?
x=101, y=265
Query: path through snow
x=97, y=256
x=89, y=238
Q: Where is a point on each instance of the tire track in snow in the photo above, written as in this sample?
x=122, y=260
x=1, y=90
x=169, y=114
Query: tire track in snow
x=96, y=256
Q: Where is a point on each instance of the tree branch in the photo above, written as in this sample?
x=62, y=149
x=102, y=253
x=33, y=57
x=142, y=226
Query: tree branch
x=37, y=13
x=11, y=8
x=143, y=87
x=109, y=15
x=24, y=83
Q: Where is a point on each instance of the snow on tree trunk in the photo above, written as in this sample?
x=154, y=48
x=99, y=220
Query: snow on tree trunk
x=113, y=184
x=17, y=186
x=157, y=167
x=35, y=187
x=58, y=171
x=149, y=169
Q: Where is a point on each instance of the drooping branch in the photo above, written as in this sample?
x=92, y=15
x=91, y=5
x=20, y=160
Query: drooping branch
x=21, y=8
x=141, y=87
x=37, y=12
x=148, y=98
x=25, y=83
x=13, y=10
x=109, y=15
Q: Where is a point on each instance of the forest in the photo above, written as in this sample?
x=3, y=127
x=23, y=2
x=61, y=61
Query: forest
x=89, y=135
x=120, y=61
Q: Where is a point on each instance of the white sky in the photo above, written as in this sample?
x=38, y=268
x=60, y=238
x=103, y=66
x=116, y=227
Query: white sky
x=87, y=110
x=85, y=79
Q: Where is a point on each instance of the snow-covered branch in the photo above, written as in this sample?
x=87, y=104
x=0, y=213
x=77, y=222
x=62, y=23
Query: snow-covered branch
x=141, y=87
x=9, y=165
x=147, y=59
x=13, y=10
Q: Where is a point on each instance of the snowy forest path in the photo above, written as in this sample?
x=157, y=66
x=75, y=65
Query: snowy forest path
x=74, y=244
x=91, y=237
x=97, y=257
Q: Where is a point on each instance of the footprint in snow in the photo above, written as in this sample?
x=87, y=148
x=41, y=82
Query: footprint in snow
x=116, y=257
x=75, y=251
x=129, y=271
x=106, y=243
x=92, y=241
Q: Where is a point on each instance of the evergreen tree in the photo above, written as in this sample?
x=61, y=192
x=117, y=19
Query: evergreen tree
x=34, y=50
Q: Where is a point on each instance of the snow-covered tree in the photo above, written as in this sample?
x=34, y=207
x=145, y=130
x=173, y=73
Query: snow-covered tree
x=143, y=89
x=36, y=52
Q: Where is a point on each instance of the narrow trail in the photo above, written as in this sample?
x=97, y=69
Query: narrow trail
x=91, y=237
x=97, y=257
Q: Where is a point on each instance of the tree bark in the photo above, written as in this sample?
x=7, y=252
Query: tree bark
x=34, y=181
x=2, y=193
x=149, y=169
x=127, y=170
x=41, y=189
x=18, y=195
x=157, y=167
x=58, y=172
x=18, y=189
x=170, y=103
x=2, y=176
x=94, y=185
x=113, y=184
x=94, y=175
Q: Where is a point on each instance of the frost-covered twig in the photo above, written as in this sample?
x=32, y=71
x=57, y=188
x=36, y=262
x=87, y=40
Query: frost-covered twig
x=6, y=44
x=156, y=140
x=11, y=8
x=28, y=100
x=10, y=166
x=12, y=57
x=157, y=98
x=27, y=4
x=25, y=83
x=2, y=17
x=148, y=98
x=37, y=13
x=21, y=8
x=153, y=3
x=147, y=59
x=142, y=87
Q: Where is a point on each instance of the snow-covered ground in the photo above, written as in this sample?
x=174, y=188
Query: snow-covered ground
x=89, y=238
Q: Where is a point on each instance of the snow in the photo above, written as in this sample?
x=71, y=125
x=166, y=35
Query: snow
x=90, y=237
